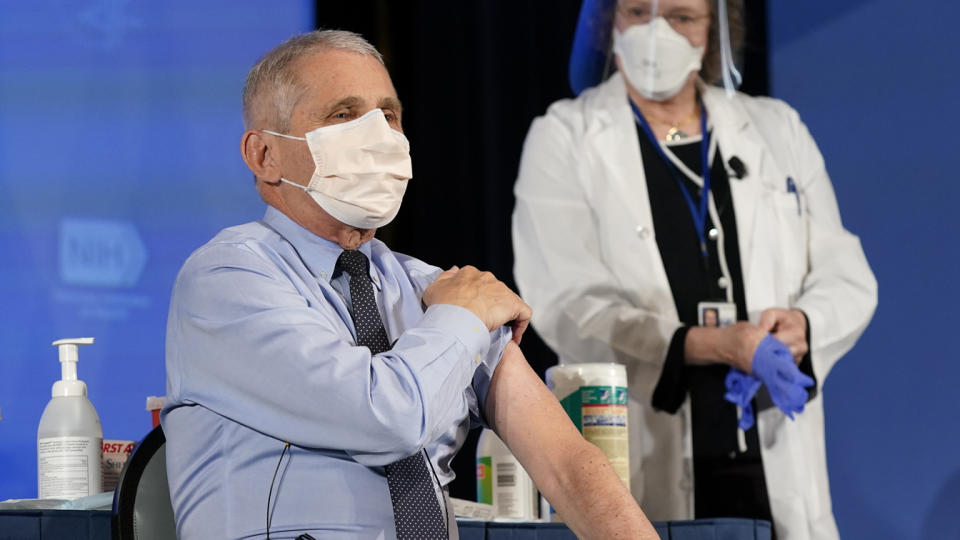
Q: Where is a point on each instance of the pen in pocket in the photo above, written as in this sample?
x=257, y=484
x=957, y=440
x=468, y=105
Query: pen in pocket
x=792, y=188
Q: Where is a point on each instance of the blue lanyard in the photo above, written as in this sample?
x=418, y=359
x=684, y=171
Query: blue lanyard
x=699, y=215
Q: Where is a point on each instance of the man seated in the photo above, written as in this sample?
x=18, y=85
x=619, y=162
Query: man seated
x=319, y=383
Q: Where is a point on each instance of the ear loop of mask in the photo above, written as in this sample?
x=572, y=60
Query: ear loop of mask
x=282, y=179
x=284, y=136
x=731, y=77
x=308, y=189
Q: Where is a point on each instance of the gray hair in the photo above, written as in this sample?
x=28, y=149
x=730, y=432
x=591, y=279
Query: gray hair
x=273, y=88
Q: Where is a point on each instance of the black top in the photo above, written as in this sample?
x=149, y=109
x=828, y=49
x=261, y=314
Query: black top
x=694, y=279
x=727, y=482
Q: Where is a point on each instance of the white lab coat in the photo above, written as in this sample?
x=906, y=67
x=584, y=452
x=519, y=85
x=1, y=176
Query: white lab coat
x=587, y=262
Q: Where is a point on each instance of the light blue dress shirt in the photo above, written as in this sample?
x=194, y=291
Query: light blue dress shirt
x=261, y=350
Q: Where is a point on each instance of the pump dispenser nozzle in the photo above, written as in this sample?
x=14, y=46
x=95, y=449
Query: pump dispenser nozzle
x=69, y=385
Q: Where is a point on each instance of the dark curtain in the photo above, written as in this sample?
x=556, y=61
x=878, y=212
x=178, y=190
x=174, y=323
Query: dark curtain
x=472, y=75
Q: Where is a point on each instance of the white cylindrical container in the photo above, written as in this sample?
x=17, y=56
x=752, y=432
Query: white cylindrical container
x=502, y=482
x=69, y=438
x=595, y=398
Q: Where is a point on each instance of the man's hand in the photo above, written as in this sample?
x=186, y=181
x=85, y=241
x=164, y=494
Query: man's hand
x=790, y=327
x=483, y=294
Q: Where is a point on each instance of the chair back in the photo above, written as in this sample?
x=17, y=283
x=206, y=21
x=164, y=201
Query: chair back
x=141, y=502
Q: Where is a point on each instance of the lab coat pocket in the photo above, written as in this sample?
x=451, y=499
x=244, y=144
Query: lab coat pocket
x=791, y=240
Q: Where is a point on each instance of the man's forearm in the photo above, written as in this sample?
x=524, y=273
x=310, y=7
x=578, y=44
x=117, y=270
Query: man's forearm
x=592, y=499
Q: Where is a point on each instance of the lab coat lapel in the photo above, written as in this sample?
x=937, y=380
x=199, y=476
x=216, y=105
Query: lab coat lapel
x=615, y=164
x=737, y=137
x=612, y=137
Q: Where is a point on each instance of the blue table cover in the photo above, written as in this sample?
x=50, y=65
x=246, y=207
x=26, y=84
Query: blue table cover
x=95, y=525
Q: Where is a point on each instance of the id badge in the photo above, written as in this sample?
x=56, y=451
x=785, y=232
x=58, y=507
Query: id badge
x=716, y=314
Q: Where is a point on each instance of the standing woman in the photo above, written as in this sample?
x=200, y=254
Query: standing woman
x=655, y=198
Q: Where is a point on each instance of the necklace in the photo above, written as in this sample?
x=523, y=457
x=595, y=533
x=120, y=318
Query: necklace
x=675, y=133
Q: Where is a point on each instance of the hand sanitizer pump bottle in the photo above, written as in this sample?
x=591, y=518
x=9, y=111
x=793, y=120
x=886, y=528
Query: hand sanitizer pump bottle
x=70, y=438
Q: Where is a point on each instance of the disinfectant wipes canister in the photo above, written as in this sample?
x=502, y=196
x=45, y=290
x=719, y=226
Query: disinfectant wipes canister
x=595, y=398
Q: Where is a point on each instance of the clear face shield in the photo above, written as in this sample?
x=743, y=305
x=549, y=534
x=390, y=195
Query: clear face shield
x=659, y=42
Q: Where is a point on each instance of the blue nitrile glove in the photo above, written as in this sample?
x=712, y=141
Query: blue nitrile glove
x=741, y=388
x=773, y=364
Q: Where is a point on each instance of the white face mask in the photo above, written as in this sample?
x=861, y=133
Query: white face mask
x=362, y=170
x=655, y=58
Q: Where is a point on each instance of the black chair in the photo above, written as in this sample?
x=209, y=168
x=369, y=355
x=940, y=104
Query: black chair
x=141, y=502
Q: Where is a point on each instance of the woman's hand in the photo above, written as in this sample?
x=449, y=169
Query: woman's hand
x=790, y=327
x=733, y=345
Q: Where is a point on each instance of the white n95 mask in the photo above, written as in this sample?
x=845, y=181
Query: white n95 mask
x=655, y=58
x=362, y=168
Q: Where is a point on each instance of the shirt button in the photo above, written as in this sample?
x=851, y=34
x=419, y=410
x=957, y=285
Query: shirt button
x=323, y=275
x=643, y=232
x=478, y=359
x=722, y=282
x=713, y=233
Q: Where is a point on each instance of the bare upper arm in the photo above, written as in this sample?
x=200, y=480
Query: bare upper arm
x=529, y=419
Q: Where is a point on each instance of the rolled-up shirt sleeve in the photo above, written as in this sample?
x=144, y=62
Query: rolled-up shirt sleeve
x=477, y=395
x=244, y=343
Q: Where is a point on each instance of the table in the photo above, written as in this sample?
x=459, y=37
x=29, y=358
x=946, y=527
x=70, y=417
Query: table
x=700, y=529
x=95, y=525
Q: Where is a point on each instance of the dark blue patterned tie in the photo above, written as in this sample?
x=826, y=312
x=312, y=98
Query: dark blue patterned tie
x=416, y=509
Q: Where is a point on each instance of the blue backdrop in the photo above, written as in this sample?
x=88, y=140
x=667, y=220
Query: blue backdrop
x=119, y=155
x=876, y=82
x=119, y=125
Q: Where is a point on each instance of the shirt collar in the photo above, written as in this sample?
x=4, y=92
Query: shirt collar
x=318, y=254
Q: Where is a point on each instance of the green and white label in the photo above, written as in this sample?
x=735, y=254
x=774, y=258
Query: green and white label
x=600, y=414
